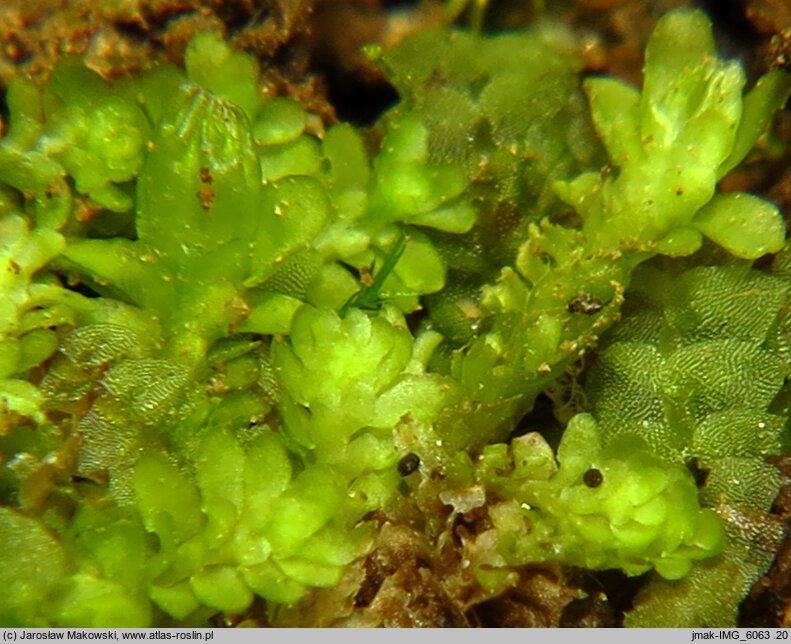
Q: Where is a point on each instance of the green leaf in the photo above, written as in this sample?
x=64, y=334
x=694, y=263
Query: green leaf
x=685, y=79
x=221, y=587
x=615, y=109
x=762, y=101
x=122, y=269
x=280, y=120
x=175, y=516
x=743, y=224
x=292, y=212
x=34, y=564
x=91, y=602
x=680, y=242
x=329, y=356
x=270, y=314
x=177, y=601
x=316, y=495
x=232, y=76
x=457, y=216
x=21, y=397
x=271, y=583
x=200, y=188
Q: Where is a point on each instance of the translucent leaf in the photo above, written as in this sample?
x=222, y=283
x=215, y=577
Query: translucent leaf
x=97, y=344
x=738, y=432
x=148, y=386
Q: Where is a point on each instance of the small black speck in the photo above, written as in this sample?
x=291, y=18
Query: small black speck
x=593, y=478
x=408, y=464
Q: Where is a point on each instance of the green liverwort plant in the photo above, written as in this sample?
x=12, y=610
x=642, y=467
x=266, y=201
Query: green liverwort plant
x=271, y=316
x=701, y=360
x=692, y=377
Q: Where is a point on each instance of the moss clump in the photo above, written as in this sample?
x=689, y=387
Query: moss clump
x=280, y=315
